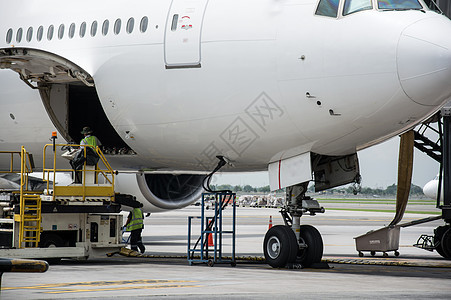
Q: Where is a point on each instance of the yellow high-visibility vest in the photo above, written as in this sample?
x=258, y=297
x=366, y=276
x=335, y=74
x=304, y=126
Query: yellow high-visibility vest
x=90, y=140
x=137, y=220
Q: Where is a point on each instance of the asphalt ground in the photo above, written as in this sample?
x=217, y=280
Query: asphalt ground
x=416, y=273
x=174, y=279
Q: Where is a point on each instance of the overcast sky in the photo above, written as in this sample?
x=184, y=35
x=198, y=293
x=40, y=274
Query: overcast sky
x=378, y=167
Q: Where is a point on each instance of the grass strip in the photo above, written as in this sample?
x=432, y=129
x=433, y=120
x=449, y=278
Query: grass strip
x=373, y=200
x=364, y=202
x=386, y=210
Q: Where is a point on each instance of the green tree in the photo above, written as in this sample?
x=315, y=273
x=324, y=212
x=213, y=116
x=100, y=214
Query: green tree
x=264, y=189
x=367, y=191
x=237, y=188
x=416, y=190
x=391, y=190
x=247, y=188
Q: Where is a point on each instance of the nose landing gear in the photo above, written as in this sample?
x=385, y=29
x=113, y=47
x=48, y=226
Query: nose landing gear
x=293, y=243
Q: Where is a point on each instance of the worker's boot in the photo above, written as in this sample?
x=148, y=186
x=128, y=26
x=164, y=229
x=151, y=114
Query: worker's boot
x=141, y=247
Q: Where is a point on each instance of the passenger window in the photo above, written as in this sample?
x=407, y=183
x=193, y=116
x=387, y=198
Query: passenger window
x=328, y=8
x=130, y=25
x=19, y=35
x=29, y=34
x=143, y=25
x=105, y=26
x=94, y=28
x=40, y=33
x=352, y=6
x=61, y=31
x=71, y=30
x=50, y=33
x=9, y=36
x=117, y=26
x=82, y=29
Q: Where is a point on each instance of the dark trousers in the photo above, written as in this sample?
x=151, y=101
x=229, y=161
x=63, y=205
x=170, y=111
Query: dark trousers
x=78, y=176
x=136, y=241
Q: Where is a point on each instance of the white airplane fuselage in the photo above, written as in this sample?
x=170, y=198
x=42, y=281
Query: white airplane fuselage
x=292, y=86
x=254, y=81
x=430, y=189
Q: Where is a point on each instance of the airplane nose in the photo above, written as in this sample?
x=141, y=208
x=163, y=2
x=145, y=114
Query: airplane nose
x=424, y=61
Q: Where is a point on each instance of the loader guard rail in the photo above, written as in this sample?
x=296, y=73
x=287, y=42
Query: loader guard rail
x=12, y=155
x=29, y=216
x=101, y=175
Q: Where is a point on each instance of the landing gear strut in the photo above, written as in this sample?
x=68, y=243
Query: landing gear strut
x=294, y=243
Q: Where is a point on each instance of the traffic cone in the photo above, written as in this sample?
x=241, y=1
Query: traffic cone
x=270, y=222
x=210, y=240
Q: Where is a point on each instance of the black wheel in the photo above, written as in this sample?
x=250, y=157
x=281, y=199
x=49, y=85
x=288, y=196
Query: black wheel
x=310, y=236
x=210, y=263
x=446, y=244
x=360, y=254
x=385, y=254
x=280, y=246
x=373, y=253
x=438, y=235
x=51, y=240
x=396, y=253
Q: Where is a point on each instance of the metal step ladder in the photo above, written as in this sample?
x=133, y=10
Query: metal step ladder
x=440, y=150
x=212, y=232
x=29, y=217
x=29, y=220
x=423, y=143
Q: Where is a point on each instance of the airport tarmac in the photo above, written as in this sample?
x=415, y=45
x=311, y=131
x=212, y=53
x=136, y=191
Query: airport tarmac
x=416, y=273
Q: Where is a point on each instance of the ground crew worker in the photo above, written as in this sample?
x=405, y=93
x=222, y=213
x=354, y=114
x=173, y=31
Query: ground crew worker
x=91, y=156
x=89, y=139
x=135, y=225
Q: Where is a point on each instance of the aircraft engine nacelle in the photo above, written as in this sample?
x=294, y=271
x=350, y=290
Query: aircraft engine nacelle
x=160, y=192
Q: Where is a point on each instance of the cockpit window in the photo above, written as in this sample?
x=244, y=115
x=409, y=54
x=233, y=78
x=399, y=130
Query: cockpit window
x=328, y=8
x=352, y=6
x=399, y=4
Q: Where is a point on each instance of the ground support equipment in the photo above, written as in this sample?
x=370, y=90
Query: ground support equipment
x=212, y=233
x=439, y=150
x=386, y=239
x=61, y=221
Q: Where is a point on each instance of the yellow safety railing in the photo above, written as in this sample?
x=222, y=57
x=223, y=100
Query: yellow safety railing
x=26, y=168
x=24, y=161
x=29, y=217
x=102, y=172
x=12, y=155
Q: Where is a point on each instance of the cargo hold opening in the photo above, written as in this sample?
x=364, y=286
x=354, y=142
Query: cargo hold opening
x=74, y=106
x=68, y=94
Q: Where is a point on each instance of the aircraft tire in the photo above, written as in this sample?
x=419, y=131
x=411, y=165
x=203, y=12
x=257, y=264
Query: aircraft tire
x=439, y=232
x=446, y=244
x=314, y=251
x=280, y=246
